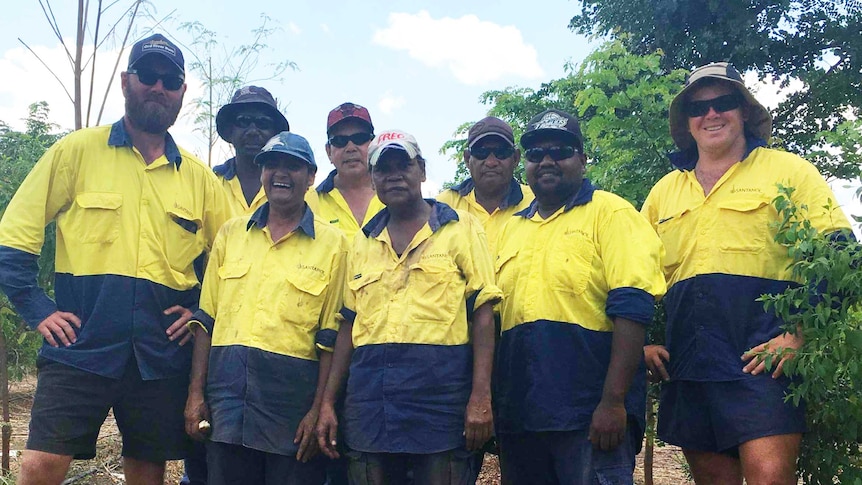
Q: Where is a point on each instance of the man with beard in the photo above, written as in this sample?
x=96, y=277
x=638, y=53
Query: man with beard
x=580, y=271
x=247, y=122
x=133, y=211
x=346, y=198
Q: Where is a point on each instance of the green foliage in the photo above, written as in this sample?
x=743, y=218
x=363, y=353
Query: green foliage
x=19, y=151
x=825, y=310
x=223, y=70
x=812, y=41
x=622, y=102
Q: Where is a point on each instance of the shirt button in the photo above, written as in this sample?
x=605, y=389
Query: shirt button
x=389, y=365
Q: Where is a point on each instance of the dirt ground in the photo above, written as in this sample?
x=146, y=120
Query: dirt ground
x=106, y=468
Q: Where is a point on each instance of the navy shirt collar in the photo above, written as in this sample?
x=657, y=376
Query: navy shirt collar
x=261, y=216
x=583, y=196
x=227, y=170
x=513, y=197
x=120, y=138
x=327, y=185
x=441, y=214
x=687, y=159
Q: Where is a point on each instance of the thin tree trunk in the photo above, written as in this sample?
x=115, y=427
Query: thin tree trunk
x=4, y=398
x=79, y=52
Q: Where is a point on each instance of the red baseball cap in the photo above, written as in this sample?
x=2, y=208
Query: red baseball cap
x=346, y=111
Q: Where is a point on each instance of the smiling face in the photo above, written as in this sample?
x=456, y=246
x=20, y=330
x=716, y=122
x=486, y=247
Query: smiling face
x=285, y=179
x=555, y=181
x=717, y=133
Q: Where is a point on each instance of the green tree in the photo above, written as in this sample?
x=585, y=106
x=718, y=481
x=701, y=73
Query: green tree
x=19, y=151
x=826, y=312
x=622, y=102
x=224, y=69
x=813, y=41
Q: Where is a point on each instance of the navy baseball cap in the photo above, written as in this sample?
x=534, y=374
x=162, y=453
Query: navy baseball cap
x=157, y=44
x=289, y=144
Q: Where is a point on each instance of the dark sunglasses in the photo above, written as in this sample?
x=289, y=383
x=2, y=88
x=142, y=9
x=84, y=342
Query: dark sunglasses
x=536, y=155
x=501, y=153
x=720, y=104
x=171, y=82
x=340, y=141
x=261, y=122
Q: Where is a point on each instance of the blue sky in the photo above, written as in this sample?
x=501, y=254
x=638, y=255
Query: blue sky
x=417, y=66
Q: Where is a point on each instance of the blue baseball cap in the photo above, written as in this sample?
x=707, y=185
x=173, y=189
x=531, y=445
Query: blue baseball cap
x=289, y=144
x=157, y=44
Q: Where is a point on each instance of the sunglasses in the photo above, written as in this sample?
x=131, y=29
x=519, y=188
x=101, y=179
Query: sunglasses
x=340, y=141
x=261, y=122
x=501, y=153
x=171, y=82
x=536, y=155
x=720, y=104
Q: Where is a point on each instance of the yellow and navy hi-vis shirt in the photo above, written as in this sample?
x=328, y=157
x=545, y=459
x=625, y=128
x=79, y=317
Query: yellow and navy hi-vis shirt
x=270, y=307
x=226, y=173
x=721, y=255
x=127, y=234
x=412, y=368
x=463, y=197
x=564, y=279
x=327, y=202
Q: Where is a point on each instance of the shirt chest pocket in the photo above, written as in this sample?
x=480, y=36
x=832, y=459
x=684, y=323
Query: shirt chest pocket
x=232, y=286
x=368, y=299
x=183, y=239
x=676, y=236
x=569, y=263
x=505, y=270
x=95, y=218
x=435, y=290
x=303, y=298
x=743, y=225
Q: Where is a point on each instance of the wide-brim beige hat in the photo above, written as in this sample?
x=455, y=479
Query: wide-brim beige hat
x=759, y=121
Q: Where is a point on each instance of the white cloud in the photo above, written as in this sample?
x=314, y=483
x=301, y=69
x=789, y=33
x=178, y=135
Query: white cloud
x=476, y=52
x=293, y=28
x=389, y=103
x=324, y=28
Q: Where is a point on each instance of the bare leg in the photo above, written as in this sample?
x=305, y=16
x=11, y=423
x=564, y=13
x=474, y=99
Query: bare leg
x=41, y=468
x=139, y=472
x=709, y=468
x=770, y=460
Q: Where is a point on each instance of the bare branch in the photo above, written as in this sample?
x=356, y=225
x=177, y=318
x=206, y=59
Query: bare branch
x=132, y=17
x=52, y=21
x=48, y=68
x=93, y=66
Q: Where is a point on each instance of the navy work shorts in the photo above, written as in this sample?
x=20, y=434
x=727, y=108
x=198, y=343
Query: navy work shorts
x=719, y=416
x=71, y=404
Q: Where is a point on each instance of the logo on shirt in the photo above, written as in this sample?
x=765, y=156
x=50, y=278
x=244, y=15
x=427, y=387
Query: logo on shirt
x=311, y=268
x=183, y=209
x=579, y=232
x=435, y=256
x=737, y=190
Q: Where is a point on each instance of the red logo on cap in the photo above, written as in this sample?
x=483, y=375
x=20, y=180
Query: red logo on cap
x=390, y=136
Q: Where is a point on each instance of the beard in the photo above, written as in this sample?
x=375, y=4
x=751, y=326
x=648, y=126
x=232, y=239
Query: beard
x=154, y=115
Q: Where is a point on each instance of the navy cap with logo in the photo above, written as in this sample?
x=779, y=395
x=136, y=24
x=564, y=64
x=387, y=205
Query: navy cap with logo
x=553, y=123
x=289, y=144
x=244, y=97
x=157, y=44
